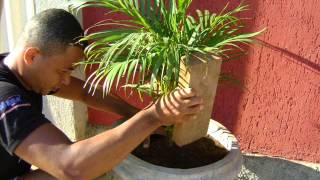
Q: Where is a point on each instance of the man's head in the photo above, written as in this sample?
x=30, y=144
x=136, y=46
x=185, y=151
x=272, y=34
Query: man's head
x=52, y=31
x=49, y=48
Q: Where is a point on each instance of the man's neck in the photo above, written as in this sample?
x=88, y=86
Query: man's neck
x=12, y=62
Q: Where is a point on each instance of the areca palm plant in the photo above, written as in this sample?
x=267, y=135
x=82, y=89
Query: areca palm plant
x=148, y=47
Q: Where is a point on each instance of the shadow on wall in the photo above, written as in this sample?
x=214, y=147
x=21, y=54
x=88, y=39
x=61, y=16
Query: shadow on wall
x=229, y=95
x=266, y=168
x=294, y=57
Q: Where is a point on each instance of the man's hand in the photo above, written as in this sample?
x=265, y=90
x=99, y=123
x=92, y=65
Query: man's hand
x=177, y=107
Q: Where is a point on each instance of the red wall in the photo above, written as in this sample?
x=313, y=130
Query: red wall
x=278, y=111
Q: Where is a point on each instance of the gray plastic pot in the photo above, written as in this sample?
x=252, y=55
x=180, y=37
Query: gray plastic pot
x=227, y=168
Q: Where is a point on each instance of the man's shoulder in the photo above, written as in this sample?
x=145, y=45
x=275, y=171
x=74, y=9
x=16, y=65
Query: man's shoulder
x=8, y=89
x=3, y=55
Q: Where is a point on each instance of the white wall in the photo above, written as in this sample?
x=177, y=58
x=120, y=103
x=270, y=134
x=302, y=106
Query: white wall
x=12, y=23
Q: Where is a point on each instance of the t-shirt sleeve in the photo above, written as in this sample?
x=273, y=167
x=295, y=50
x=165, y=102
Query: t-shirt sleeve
x=18, y=118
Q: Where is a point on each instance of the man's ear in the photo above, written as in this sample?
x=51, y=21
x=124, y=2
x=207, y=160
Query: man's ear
x=30, y=54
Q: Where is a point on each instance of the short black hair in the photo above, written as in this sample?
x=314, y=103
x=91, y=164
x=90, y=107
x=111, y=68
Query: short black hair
x=52, y=31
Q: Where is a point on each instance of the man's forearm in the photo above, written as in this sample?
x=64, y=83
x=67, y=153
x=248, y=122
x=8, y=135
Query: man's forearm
x=111, y=103
x=101, y=153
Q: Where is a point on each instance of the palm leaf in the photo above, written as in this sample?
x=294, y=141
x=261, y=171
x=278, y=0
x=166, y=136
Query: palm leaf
x=147, y=47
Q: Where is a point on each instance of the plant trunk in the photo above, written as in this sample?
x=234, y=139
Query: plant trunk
x=201, y=72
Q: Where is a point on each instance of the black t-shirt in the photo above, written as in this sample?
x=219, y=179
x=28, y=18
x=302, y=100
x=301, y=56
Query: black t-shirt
x=20, y=114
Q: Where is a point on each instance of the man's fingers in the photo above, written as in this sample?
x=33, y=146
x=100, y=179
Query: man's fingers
x=176, y=103
x=194, y=109
x=185, y=93
x=178, y=106
x=193, y=101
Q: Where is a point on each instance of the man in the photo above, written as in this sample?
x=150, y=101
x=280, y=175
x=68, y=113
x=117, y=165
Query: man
x=40, y=65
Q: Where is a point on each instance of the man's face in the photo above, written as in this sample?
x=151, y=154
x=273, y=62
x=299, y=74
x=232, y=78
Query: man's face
x=52, y=72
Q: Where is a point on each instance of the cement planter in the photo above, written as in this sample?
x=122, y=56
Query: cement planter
x=227, y=168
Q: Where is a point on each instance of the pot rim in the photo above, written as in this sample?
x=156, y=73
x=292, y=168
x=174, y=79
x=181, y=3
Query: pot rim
x=218, y=133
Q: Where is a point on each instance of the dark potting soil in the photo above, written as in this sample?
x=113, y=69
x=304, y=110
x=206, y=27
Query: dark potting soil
x=199, y=153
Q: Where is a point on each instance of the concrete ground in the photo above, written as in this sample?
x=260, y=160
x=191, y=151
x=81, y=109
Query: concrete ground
x=269, y=168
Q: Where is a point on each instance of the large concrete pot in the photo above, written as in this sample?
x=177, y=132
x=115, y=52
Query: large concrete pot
x=227, y=168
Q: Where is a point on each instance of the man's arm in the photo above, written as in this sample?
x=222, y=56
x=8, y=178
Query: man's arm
x=50, y=150
x=111, y=103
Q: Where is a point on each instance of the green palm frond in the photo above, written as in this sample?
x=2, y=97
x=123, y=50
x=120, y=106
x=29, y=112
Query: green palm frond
x=147, y=47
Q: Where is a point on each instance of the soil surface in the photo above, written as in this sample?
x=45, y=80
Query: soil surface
x=199, y=153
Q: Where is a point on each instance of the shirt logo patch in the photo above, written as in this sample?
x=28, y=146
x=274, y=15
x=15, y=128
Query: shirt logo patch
x=12, y=103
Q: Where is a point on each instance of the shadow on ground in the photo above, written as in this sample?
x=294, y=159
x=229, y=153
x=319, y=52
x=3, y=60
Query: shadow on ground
x=267, y=168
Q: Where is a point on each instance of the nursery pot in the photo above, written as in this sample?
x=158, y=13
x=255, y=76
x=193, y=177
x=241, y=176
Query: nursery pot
x=200, y=72
x=227, y=168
